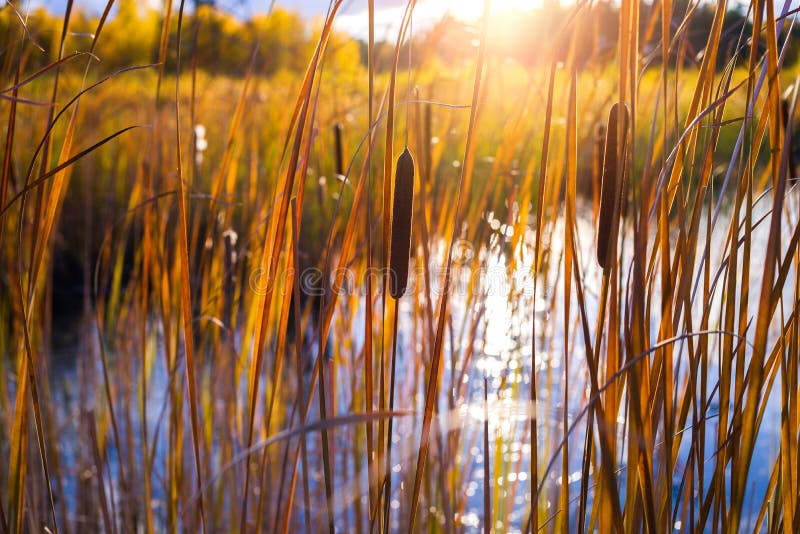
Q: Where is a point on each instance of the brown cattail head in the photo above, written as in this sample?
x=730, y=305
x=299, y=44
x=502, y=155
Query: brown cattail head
x=337, y=135
x=785, y=112
x=612, y=182
x=788, y=134
x=401, y=224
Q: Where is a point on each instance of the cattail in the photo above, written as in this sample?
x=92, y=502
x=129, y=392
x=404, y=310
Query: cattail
x=337, y=135
x=788, y=134
x=612, y=182
x=401, y=224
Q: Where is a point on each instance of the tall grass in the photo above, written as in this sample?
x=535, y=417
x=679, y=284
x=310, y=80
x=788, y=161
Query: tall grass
x=593, y=331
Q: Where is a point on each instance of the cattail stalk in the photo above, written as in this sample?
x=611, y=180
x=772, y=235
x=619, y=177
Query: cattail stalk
x=612, y=183
x=426, y=145
x=401, y=224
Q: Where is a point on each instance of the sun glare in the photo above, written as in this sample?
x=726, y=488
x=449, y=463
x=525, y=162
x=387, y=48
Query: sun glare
x=427, y=13
x=472, y=10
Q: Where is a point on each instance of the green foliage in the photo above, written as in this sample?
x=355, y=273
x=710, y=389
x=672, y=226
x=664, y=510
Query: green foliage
x=135, y=37
x=222, y=43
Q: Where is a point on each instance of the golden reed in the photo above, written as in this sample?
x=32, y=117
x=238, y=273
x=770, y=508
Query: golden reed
x=597, y=167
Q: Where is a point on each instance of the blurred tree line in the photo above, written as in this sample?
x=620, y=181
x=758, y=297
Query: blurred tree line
x=525, y=36
x=224, y=44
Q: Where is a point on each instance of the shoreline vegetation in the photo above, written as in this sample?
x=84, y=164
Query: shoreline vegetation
x=536, y=271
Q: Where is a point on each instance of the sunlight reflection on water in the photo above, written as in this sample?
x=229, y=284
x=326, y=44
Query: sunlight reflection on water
x=502, y=311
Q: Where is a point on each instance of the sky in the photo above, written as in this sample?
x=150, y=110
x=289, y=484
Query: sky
x=307, y=8
x=245, y=7
x=352, y=15
x=312, y=8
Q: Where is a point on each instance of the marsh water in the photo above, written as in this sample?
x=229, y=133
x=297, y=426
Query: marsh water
x=487, y=350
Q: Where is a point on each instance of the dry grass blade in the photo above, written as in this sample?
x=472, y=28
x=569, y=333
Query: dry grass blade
x=101, y=489
x=532, y=524
x=368, y=308
x=597, y=167
x=44, y=177
x=186, y=292
x=434, y=376
x=269, y=263
x=487, y=484
x=52, y=66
